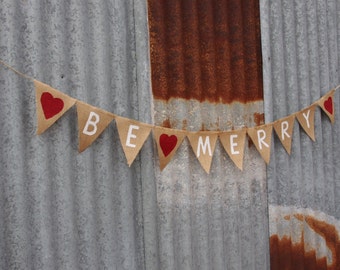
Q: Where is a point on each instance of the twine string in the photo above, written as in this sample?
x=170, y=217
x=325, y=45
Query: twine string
x=16, y=71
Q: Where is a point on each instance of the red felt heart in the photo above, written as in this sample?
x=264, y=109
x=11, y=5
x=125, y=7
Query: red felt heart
x=329, y=105
x=167, y=143
x=51, y=105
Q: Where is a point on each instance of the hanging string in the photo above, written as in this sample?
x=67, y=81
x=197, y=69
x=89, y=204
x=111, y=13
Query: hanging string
x=15, y=71
x=32, y=79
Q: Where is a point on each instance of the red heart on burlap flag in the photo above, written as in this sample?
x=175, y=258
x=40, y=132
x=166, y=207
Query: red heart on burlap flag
x=329, y=105
x=167, y=143
x=326, y=103
x=51, y=106
x=168, y=140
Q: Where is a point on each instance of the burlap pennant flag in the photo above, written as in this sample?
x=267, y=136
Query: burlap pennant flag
x=261, y=137
x=168, y=141
x=92, y=122
x=306, y=120
x=327, y=105
x=132, y=135
x=51, y=105
x=203, y=144
x=233, y=142
x=284, y=130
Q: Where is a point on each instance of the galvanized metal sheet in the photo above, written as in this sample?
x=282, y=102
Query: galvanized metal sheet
x=60, y=209
x=300, y=64
x=206, y=75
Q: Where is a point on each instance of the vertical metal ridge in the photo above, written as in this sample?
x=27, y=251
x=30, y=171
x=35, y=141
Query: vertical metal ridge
x=191, y=37
x=156, y=13
x=191, y=49
x=222, y=50
x=237, y=49
x=206, y=38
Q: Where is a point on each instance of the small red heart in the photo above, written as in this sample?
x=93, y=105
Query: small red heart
x=329, y=105
x=167, y=143
x=50, y=105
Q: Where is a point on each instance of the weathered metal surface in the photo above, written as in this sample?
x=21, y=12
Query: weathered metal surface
x=206, y=50
x=64, y=210
x=206, y=75
x=300, y=42
x=303, y=239
x=60, y=209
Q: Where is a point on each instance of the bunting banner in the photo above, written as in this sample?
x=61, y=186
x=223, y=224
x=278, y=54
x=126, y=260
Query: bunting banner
x=132, y=136
x=306, y=120
x=261, y=137
x=203, y=144
x=233, y=142
x=167, y=140
x=91, y=123
x=51, y=104
x=327, y=105
x=284, y=130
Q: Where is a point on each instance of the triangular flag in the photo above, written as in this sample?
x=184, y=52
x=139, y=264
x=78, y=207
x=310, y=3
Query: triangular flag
x=306, y=120
x=168, y=141
x=261, y=137
x=327, y=105
x=51, y=105
x=132, y=135
x=91, y=123
x=233, y=142
x=203, y=144
x=284, y=130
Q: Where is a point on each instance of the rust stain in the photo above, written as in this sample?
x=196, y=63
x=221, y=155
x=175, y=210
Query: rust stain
x=206, y=50
x=166, y=123
x=259, y=118
x=284, y=254
x=299, y=217
x=184, y=124
x=287, y=217
x=203, y=128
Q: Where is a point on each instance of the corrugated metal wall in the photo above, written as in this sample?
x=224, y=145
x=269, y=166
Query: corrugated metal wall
x=206, y=50
x=60, y=209
x=64, y=210
x=207, y=75
x=300, y=64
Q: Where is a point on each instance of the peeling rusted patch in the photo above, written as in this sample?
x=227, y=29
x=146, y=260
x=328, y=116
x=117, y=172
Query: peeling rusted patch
x=286, y=254
x=206, y=50
x=259, y=119
x=166, y=123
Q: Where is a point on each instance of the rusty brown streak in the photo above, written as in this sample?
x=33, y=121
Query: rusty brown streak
x=284, y=254
x=208, y=50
